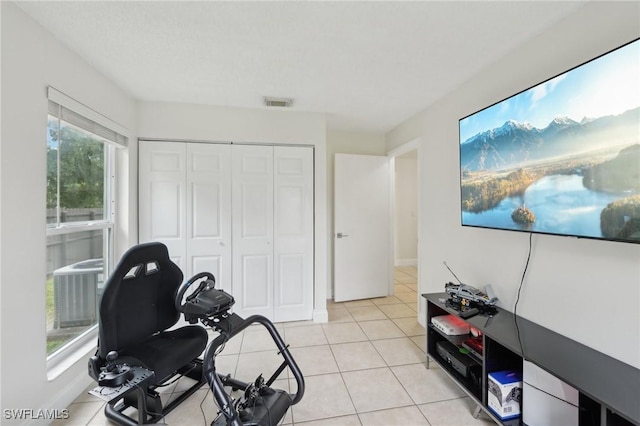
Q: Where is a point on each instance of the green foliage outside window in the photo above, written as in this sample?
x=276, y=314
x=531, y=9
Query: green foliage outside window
x=81, y=171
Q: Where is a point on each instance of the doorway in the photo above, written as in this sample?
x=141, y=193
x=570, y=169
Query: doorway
x=405, y=207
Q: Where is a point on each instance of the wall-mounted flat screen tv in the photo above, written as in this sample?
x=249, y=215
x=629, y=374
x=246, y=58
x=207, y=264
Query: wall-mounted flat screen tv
x=562, y=157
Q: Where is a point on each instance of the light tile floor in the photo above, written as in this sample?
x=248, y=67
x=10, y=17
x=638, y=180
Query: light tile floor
x=364, y=367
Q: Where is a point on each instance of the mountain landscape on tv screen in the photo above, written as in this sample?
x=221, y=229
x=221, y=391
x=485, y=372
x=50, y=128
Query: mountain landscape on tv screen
x=569, y=178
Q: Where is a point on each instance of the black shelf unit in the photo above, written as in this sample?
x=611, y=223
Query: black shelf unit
x=494, y=358
x=472, y=385
x=608, y=388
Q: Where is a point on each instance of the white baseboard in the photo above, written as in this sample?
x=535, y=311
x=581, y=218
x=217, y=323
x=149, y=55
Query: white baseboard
x=406, y=262
x=320, y=315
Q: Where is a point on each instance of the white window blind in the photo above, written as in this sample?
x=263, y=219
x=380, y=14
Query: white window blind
x=75, y=113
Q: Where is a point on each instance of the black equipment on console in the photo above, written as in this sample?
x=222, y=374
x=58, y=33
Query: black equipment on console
x=450, y=353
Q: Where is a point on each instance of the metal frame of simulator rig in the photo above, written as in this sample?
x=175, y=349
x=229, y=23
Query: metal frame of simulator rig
x=260, y=404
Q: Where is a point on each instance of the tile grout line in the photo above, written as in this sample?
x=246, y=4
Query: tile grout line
x=387, y=366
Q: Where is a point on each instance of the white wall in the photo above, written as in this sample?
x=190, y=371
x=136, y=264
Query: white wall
x=32, y=60
x=587, y=290
x=406, y=210
x=209, y=123
x=346, y=142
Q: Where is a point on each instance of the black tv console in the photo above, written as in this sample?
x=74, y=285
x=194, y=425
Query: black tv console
x=609, y=390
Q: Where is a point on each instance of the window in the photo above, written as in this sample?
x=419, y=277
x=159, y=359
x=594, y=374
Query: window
x=80, y=219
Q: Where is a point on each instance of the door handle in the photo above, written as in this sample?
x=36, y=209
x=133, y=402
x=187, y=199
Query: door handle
x=341, y=235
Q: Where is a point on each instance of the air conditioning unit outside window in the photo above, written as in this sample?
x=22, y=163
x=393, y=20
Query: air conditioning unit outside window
x=77, y=289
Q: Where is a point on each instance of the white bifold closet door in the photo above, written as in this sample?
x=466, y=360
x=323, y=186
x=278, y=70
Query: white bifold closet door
x=185, y=202
x=293, y=229
x=273, y=231
x=253, y=237
x=208, y=220
x=242, y=212
x=162, y=197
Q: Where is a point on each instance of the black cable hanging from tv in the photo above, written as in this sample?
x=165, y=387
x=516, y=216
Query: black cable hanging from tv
x=515, y=308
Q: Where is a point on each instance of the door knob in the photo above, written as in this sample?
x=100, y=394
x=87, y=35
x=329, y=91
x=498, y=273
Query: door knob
x=341, y=235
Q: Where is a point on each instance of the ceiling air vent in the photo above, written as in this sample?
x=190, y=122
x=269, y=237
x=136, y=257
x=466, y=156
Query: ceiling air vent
x=278, y=102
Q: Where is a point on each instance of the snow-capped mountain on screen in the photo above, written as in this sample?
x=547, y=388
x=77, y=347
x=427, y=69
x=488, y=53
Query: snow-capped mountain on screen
x=516, y=143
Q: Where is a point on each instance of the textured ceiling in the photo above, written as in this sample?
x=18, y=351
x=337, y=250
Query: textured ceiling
x=367, y=65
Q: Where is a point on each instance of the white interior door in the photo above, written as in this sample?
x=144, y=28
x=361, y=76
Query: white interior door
x=208, y=231
x=162, y=196
x=293, y=233
x=252, y=200
x=362, y=254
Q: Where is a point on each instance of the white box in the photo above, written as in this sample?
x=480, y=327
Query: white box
x=450, y=325
x=548, y=400
x=505, y=393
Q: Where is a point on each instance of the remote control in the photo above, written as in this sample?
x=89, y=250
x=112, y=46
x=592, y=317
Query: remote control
x=469, y=313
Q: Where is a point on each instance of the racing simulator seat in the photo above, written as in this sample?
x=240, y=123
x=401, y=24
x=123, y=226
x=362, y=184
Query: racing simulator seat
x=137, y=353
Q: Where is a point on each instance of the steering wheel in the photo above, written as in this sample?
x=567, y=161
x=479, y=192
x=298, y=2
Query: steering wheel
x=205, y=284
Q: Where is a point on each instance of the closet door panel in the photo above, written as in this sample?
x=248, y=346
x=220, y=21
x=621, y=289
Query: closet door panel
x=162, y=196
x=208, y=239
x=254, y=206
x=213, y=264
x=252, y=202
x=166, y=197
x=256, y=283
x=290, y=272
x=293, y=233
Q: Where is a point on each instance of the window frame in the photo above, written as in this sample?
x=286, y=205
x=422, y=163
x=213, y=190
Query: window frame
x=77, y=347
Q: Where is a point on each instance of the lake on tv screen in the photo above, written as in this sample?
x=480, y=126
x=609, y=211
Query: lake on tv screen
x=561, y=203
